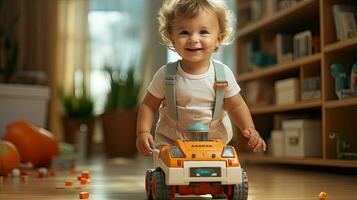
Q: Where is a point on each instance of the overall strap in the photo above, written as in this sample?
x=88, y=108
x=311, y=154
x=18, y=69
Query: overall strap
x=220, y=86
x=170, y=84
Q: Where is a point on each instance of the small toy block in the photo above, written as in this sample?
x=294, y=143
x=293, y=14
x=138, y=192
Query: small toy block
x=24, y=178
x=323, y=196
x=84, y=195
x=40, y=174
x=85, y=174
x=83, y=181
x=68, y=182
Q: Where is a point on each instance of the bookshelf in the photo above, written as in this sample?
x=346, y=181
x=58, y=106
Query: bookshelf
x=259, y=68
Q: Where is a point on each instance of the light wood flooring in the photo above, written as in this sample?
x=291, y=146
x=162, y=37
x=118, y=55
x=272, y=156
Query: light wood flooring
x=124, y=179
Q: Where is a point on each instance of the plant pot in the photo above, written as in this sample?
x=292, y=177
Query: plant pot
x=71, y=128
x=119, y=129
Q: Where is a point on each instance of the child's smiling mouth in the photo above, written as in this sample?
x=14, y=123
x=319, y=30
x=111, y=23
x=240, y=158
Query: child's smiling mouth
x=194, y=49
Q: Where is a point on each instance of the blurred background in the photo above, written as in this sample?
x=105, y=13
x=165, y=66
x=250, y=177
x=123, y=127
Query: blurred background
x=79, y=69
x=68, y=63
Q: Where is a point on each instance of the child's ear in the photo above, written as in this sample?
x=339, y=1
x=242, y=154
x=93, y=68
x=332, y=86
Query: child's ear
x=219, y=39
x=171, y=37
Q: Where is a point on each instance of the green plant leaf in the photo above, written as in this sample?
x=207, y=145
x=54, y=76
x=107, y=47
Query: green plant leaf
x=124, y=90
x=77, y=106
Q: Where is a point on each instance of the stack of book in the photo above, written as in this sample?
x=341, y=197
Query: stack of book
x=311, y=88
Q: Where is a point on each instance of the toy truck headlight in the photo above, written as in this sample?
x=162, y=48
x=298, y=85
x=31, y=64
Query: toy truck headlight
x=228, y=152
x=176, y=152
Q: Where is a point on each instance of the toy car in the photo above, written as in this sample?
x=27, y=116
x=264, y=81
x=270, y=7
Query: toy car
x=197, y=166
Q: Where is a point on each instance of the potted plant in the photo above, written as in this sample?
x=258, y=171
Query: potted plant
x=78, y=106
x=119, y=118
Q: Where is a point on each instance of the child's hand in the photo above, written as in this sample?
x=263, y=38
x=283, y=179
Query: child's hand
x=255, y=141
x=145, y=144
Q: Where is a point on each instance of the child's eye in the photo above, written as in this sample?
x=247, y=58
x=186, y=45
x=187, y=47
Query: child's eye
x=184, y=33
x=204, y=32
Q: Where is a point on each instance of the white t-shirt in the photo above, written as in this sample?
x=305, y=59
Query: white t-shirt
x=195, y=100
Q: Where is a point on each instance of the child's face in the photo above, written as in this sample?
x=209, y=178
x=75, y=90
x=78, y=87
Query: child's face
x=194, y=39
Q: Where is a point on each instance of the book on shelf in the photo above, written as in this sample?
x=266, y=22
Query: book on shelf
x=285, y=4
x=302, y=44
x=250, y=11
x=311, y=88
x=246, y=57
x=344, y=20
x=284, y=47
x=270, y=8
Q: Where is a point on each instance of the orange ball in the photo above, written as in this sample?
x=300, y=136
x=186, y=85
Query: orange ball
x=9, y=157
x=35, y=145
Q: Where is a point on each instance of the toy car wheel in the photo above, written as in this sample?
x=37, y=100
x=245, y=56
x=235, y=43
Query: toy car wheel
x=240, y=191
x=148, y=180
x=160, y=191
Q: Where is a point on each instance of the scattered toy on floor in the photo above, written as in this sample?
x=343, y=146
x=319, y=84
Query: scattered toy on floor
x=84, y=195
x=9, y=157
x=323, y=196
x=34, y=144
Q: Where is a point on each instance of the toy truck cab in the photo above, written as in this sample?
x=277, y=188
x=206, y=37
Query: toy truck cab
x=197, y=166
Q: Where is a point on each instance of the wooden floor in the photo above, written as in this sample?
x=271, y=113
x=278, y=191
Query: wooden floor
x=124, y=179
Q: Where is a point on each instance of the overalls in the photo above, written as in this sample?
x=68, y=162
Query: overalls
x=178, y=126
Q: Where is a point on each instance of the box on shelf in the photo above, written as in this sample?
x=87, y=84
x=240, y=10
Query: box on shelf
x=287, y=91
x=280, y=117
x=277, y=143
x=303, y=138
x=23, y=102
x=260, y=93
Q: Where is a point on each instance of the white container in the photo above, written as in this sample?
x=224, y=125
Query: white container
x=23, y=102
x=287, y=91
x=277, y=143
x=303, y=138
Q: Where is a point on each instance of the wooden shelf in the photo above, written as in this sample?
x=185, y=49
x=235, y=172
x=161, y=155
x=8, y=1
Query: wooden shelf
x=276, y=69
x=280, y=18
x=286, y=107
x=335, y=115
x=341, y=103
x=249, y=157
x=345, y=44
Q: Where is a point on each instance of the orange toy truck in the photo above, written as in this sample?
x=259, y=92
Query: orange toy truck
x=197, y=166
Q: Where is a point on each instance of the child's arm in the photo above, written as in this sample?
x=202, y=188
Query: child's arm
x=240, y=114
x=146, y=115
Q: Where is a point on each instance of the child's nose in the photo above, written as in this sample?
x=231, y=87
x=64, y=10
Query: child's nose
x=194, y=38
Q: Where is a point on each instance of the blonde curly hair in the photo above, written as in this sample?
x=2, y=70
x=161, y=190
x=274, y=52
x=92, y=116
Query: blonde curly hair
x=172, y=9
